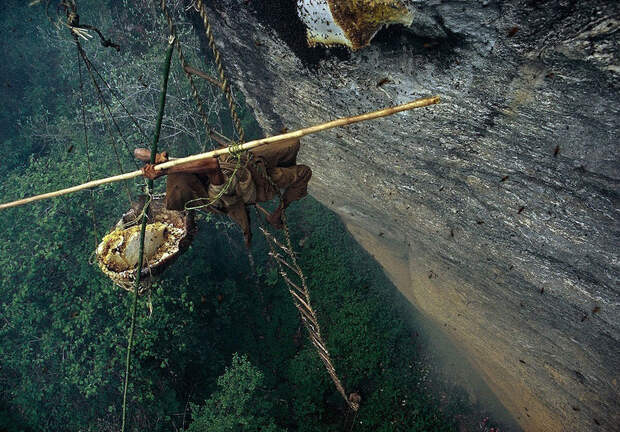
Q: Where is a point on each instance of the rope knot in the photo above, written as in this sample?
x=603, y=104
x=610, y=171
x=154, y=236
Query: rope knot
x=235, y=149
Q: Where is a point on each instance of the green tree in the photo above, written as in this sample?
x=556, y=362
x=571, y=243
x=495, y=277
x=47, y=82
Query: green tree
x=239, y=404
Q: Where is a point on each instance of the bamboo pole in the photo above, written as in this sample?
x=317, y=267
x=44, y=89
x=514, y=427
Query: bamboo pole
x=249, y=145
x=136, y=285
x=303, y=132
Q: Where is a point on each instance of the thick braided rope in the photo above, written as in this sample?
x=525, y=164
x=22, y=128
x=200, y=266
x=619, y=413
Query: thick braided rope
x=303, y=305
x=220, y=70
x=325, y=357
x=194, y=91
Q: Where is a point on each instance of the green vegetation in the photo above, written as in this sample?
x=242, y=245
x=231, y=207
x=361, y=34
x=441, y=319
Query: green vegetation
x=238, y=403
x=63, y=325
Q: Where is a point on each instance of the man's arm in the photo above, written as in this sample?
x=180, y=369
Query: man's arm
x=209, y=166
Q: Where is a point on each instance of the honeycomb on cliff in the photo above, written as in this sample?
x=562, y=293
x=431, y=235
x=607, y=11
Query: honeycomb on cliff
x=352, y=23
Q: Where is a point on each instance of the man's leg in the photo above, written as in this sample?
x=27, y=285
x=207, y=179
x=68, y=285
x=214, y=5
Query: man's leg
x=182, y=188
x=283, y=154
x=295, y=182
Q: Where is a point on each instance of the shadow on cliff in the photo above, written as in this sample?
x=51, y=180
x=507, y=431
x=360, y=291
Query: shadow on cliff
x=436, y=48
x=281, y=17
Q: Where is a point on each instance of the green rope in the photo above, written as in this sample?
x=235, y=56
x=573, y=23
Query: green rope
x=236, y=152
x=162, y=104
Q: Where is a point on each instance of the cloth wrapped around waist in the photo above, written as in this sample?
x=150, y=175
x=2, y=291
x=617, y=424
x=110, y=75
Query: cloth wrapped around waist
x=238, y=187
x=249, y=185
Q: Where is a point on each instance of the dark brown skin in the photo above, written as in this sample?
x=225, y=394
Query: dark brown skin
x=275, y=218
x=144, y=155
x=210, y=166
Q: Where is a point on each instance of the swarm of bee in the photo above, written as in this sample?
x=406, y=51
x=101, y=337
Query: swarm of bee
x=347, y=22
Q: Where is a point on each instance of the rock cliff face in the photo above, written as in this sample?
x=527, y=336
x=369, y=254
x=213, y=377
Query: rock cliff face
x=502, y=201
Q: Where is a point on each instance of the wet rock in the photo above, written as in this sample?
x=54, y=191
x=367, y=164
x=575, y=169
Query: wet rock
x=507, y=191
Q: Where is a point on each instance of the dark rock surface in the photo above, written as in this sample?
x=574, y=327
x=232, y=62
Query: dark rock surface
x=503, y=198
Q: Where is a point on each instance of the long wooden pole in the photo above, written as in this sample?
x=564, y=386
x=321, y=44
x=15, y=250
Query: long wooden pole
x=136, y=285
x=249, y=145
x=303, y=132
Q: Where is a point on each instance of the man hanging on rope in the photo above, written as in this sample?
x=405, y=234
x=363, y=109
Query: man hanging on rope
x=209, y=184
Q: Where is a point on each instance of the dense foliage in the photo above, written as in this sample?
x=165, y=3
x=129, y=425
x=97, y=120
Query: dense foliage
x=63, y=325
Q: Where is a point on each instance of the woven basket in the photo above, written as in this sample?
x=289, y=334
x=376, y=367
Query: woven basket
x=168, y=235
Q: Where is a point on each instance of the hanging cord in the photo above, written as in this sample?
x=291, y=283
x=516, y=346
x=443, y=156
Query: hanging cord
x=90, y=66
x=103, y=103
x=220, y=70
x=73, y=23
x=184, y=66
x=90, y=175
x=118, y=99
x=162, y=104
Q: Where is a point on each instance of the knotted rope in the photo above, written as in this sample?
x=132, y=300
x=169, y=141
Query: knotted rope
x=234, y=149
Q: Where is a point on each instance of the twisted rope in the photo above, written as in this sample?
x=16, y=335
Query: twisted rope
x=301, y=299
x=220, y=69
x=235, y=148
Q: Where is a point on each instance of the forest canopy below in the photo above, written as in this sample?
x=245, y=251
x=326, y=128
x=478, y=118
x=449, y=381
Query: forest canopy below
x=218, y=347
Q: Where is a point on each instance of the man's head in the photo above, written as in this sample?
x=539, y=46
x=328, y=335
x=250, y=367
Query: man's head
x=144, y=155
